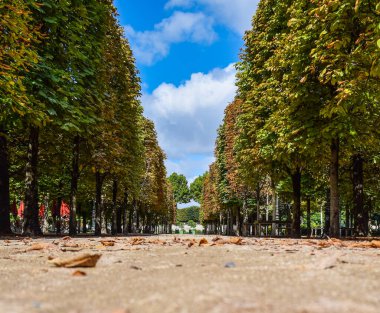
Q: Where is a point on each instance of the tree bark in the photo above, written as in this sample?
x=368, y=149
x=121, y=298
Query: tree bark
x=58, y=215
x=84, y=218
x=98, y=203
x=239, y=227
x=308, y=216
x=274, y=210
x=74, y=186
x=334, y=189
x=258, y=202
x=125, y=215
x=130, y=218
x=327, y=212
x=5, y=222
x=114, y=227
x=245, y=217
x=296, y=221
x=361, y=214
x=31, y=224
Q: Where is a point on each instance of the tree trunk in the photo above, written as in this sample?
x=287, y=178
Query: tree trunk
x=98, y=203
x=334, y=189
x=327, y=213
x=74, y=186
x=125, y=215
x=130, y=217
x=58, y=215
x=361, y=215
x=137, y=218
x=258, y=203
x=308, y=216
x=84, y=218
x=296, y=221
x=245, y=217
x=274, y=210
x=5, y=222
x=114, y=214
x=31, y=225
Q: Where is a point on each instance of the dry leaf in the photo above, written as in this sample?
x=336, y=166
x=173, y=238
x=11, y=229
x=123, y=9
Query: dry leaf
x=137, y=241
x=324, y=244
x=37, y=246
x=71, y=249
x=176, y=239
x=203, y=241
x=375, y=243
x=191, y=243
x=236, y=240
x=66, y=238
x=108, y=243
x=84, y=260
x=70, y=245
x=79, y=273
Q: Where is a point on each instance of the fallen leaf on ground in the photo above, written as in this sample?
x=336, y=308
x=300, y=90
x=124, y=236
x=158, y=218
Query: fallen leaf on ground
x=134, y=267
x=70, y=245
x=84, y=260
x=70, y=249
x=37, y=246
x=375, y=243
x=203, y=241
x=79, y=273
x=66, y=238
x=190, y=244
x=176, y=239
x=108, y=243
x=137, y=241
x=324, y=244
x=236, y=240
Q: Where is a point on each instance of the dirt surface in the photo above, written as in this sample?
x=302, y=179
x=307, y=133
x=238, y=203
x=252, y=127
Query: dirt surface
x=190, y=274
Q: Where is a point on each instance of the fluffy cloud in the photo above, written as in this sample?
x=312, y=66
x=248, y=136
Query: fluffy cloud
x=151, y=46
x=179, y=3
x=187, y=116
x=236, y=14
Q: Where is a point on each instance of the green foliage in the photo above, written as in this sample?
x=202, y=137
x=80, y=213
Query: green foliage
x=308, y=76
x=196, y=188
x=186, y=214
x=180, y=188
x=68, y=71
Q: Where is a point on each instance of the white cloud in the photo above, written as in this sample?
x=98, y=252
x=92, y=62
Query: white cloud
x=151, y=46
x=178, y=3
x=187, y=116
x=236, y=14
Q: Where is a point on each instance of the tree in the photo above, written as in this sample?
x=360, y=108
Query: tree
x=180, y=188
x=196, y=188
x=17, y=56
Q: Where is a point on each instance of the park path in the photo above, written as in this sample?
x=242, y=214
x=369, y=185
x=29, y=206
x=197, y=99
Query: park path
x=190, y=274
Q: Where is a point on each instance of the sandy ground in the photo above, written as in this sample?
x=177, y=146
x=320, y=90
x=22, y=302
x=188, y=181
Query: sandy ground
x=163, y=274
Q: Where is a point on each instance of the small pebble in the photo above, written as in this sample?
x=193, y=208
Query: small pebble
x=230, y=265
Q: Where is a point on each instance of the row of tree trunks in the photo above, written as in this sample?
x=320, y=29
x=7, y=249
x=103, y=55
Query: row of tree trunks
x=5, y=223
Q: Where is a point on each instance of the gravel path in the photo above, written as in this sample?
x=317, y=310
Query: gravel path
x=186, y=274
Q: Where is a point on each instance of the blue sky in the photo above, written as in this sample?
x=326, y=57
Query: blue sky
x=185, y=52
